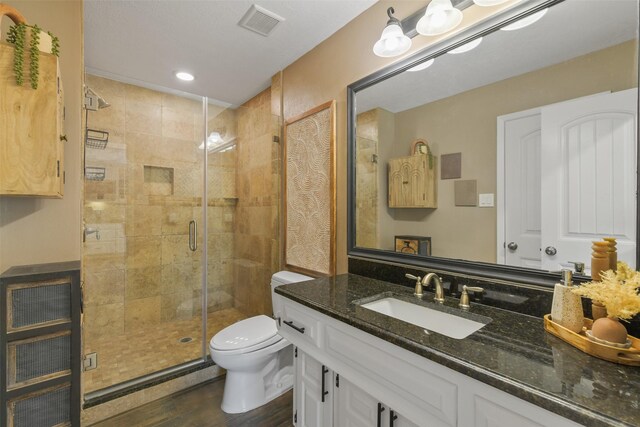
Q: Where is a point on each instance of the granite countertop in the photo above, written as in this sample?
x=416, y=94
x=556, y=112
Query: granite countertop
x=512, y=353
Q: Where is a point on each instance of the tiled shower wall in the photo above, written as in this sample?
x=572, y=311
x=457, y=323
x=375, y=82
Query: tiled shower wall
x=257, y=254
x=367, y=179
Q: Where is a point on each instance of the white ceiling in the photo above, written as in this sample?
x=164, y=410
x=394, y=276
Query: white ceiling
x=149, y=40
x=568, y=30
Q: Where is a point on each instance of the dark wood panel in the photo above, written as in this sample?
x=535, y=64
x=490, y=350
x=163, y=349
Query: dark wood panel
x=199, y=406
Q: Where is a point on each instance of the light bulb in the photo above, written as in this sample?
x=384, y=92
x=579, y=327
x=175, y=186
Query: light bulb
x=183, y=75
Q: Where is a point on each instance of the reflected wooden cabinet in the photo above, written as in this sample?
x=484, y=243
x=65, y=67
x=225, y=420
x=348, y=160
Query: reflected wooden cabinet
x=31, y=129
x=412, y=182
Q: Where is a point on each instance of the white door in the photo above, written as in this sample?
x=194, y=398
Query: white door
x=588, y=177
x=520, y=245
x=313, y=403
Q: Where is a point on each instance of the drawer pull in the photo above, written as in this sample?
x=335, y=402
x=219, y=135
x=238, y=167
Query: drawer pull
x=380, y=411
x=290, y=323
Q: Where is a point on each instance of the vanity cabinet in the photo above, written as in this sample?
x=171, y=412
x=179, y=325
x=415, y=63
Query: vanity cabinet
x=322, y=398
x=369, y=374
x=412, y=182
x=31, y=130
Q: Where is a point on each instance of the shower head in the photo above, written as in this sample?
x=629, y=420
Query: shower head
x=93, y=101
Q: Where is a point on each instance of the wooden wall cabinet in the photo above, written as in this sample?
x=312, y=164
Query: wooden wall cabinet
x=31, y=129
x=412, y=183
x=40, y=309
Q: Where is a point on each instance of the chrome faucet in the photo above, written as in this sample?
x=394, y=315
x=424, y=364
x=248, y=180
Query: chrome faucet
x=439, y=291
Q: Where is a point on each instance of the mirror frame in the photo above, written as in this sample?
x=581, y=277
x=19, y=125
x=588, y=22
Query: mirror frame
x=450, y=265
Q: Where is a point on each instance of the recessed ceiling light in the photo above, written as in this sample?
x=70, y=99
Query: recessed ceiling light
x=422, y=66
x=184, y=76
x=526, y=21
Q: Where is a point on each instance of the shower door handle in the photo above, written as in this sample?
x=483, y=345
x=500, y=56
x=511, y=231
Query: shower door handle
x=193, y=232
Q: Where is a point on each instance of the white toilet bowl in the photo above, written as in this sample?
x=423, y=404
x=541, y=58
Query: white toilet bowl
x=259, y=362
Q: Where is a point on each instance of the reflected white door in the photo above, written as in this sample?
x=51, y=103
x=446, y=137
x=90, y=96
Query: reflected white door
x=588, y=177
x=521, y=244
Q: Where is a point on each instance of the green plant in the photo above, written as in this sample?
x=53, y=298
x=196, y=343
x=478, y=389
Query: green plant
x=17, y=35
x=34, y=56
x=430, y=156
x=55, y=44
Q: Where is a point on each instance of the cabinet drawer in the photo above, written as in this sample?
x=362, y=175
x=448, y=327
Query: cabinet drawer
x=30, y=305
x=38, y=359
x=299, y=321
x=50, y=407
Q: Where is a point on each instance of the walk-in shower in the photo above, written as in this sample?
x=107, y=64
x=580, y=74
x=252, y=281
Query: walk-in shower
x=181, y=227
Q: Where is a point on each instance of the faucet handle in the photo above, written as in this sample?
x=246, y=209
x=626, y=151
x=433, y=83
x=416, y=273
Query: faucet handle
x=464, y=298
x=418, y=291
x=579, y=266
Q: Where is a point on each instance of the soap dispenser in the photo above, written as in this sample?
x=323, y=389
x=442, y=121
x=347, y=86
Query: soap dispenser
x=566, y=308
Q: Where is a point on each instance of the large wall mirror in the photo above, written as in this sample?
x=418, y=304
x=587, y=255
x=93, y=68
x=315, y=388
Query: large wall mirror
x=505, y=151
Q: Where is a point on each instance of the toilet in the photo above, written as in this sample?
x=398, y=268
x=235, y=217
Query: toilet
x=259, y=362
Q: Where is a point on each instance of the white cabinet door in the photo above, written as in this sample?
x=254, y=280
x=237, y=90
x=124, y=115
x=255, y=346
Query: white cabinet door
x=399, y=420
x=313, y=394
x=588, y=177
x=356, y=408
x=481, y=405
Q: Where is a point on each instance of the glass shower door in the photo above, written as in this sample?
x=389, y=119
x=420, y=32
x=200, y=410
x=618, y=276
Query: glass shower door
x=143, y=249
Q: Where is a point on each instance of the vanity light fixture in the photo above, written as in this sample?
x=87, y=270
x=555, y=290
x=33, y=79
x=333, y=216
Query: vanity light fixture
x=422, y=66
x=467, y=46
x=526, y=21
x=489, y=2
x=439, y=18
x=183, y=75
x=393, y=41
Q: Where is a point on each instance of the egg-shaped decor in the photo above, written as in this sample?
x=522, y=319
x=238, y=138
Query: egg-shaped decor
x=609, y=329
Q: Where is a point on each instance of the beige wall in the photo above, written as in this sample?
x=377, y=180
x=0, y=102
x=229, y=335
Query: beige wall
x=325, y=72
x=470, y=232
x=37, y=230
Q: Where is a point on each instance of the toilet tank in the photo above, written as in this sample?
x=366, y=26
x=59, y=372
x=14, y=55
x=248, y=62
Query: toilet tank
x=282, y=278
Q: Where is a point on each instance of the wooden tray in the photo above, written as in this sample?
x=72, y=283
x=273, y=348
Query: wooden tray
x=625, y=356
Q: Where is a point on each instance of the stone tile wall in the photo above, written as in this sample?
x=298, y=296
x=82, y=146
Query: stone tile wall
x=367, y=179
x=257, y=253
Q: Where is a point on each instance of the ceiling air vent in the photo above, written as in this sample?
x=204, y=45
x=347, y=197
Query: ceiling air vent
x=260, y=20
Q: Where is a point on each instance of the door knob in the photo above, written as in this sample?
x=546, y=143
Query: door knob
x=550, y=250
x=512, y=246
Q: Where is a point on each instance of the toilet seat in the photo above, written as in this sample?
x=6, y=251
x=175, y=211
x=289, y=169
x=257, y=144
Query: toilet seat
x=246, y=336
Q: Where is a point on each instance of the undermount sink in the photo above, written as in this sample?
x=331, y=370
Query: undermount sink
x=433, y=320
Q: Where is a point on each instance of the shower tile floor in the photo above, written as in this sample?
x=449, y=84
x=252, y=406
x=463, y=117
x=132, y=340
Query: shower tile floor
x=147, y=350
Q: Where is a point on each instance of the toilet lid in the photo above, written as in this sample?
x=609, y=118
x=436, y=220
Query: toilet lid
x=245, y=333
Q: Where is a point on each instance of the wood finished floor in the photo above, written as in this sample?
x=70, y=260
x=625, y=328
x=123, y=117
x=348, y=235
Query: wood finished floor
x=199, y=406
